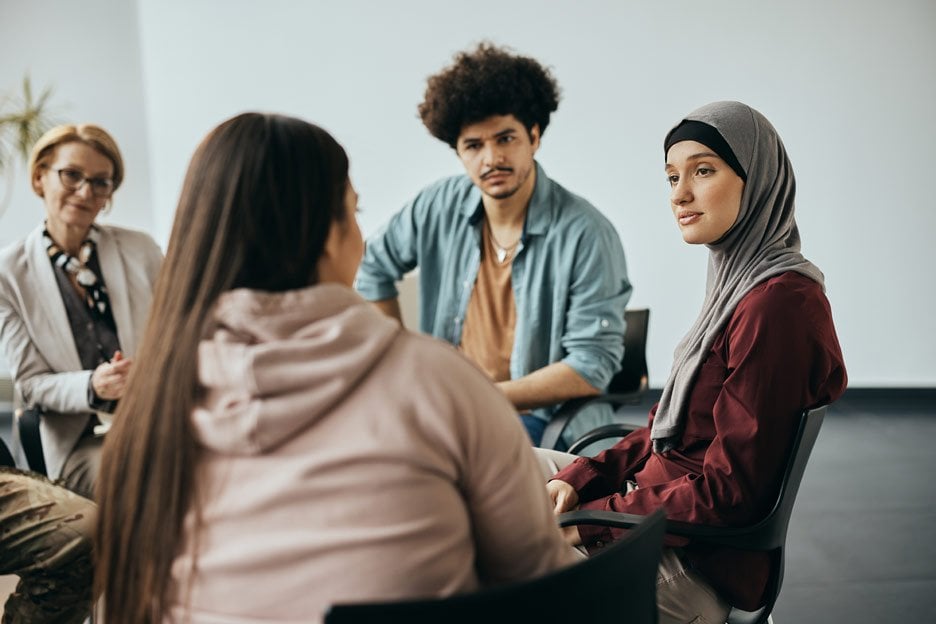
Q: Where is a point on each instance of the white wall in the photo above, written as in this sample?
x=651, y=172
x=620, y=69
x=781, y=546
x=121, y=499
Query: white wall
x=849, y=84
x=89, y=53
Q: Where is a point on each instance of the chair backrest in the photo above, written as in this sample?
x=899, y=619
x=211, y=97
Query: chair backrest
x=633, y=376
x=618, y=584
x=627, y=386
x=770, y=533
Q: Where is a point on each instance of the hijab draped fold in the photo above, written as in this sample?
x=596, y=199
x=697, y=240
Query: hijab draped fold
x=763, y=242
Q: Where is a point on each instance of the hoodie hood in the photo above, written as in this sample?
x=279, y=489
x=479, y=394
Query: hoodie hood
x=272, y=364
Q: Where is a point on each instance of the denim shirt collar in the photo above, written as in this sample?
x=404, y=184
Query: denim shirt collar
x=540, y=212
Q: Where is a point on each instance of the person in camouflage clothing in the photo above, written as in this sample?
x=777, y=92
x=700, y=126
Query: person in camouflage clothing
x=45, y=538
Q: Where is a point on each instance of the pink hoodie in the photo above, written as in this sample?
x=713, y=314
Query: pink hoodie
x=349, y=460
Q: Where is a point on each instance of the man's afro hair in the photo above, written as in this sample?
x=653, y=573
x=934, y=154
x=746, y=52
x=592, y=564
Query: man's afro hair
x=488, y=81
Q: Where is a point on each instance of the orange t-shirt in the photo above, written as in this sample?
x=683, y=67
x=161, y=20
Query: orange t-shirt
x=488, y=334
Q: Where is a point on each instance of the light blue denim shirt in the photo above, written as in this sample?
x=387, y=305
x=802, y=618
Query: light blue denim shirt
x=569, y=277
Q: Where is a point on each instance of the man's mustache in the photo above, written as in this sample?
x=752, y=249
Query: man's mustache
x=491, y=172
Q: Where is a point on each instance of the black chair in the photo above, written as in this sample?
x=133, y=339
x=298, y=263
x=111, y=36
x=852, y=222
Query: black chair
x=26, y=429
x=768, y=534
x=6, y=412
x=627, y=387
x=6, y=458
x=618, y=585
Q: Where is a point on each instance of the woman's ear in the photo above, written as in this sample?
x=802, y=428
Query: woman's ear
x=37, y=184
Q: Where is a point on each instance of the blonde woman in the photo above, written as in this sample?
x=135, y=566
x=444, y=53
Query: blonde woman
x=74, y=296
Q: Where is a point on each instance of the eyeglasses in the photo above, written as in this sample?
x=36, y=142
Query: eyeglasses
x=72, y=179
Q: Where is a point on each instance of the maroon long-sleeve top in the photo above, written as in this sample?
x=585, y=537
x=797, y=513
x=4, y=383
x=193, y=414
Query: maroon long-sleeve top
x=778, y=355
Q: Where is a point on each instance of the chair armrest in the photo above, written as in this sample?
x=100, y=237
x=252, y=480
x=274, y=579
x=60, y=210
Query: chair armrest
x=601, y=518
x=614, y=430
x=732, y=537
x=570, y=409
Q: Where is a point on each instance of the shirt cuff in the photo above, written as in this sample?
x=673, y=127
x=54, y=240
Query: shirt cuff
x=98, y=404
x=376, y=291
x=588, y=368
x=578, y=474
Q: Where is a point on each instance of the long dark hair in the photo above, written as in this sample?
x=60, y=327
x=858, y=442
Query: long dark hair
x=259, y=199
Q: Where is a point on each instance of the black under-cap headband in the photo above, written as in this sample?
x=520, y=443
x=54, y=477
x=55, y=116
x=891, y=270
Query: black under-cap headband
x=691, y=130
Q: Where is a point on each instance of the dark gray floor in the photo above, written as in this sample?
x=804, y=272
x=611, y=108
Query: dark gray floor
x=861, y=542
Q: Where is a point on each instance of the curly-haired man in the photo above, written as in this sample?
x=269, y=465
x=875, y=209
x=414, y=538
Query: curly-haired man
x=526, y=278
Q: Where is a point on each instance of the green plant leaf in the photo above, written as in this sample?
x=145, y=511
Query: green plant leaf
x=23, y=120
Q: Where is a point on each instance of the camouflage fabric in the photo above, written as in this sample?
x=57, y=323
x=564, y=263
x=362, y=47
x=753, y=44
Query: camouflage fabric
x=45, y=538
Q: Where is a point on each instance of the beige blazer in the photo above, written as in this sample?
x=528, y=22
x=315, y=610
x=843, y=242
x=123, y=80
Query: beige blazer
x=36, y=337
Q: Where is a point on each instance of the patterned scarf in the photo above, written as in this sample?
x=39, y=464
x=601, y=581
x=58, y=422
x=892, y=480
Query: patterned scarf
x=95, y=293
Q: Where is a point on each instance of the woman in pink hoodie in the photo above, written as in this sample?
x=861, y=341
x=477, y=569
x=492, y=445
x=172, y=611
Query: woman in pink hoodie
x=283, y=446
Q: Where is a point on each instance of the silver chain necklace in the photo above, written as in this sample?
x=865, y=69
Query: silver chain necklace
x=502, y=252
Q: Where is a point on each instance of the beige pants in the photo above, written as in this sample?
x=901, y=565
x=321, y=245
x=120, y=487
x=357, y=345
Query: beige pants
x=82, y=466
x=683, y=596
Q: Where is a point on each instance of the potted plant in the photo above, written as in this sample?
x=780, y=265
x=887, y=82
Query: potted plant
x=23, y=119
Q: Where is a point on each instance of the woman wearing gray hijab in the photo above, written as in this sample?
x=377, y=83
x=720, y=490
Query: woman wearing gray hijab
x=762, y=349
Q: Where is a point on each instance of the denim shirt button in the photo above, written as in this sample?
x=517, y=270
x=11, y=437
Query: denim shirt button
x=604, y=322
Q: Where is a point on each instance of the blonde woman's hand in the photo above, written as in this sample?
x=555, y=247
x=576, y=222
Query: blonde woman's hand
x=109, y=380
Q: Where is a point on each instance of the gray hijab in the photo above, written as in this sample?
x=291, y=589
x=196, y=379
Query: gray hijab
x=762, y=243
